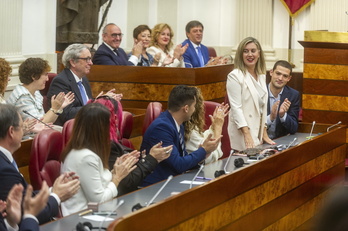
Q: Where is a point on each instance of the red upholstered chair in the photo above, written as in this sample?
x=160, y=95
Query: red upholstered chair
x=153, y=110
x=67, y=130
x=209, y=107
x=126, y=125
x=212, y=52
x=45, y=91
x=126, y=129
x=45, y=158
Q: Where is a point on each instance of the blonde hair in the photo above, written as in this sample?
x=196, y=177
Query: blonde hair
x=156, y=31
x=197, y=120
x=5, y=71
x=239, y=62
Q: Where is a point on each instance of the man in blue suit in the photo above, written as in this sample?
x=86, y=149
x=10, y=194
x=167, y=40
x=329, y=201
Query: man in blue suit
x=110, y=53
x=168, y=128
x=197, y=54
x=11, y=133
x=283, y=105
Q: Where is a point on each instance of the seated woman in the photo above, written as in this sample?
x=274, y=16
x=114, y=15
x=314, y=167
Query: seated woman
x=194, y=128
x=143, y=33
x=33, y=73
x=87, y=154
x=5, y=72
x=146, y=164
x=161, y=43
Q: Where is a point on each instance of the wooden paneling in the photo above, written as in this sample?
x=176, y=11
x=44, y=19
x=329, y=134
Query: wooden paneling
x=326, y=56
x=329, y=117
x=141, y=85
x=325, y=81
x=325, y=87
x=325, y=103
x=279, y=193
x=322, y=71
x=22, y=157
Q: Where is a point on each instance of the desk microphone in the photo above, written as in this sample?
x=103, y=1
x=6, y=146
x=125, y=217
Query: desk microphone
x=26, y=112
x=222, y=172
x=194, y=178
x=291, y=143
x=310, y=134
x=109, y=214
x=139, y=206
x=333, y=126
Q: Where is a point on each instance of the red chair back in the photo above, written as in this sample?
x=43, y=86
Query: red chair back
x=45, y=158
x=126, y=127
x=67, y=130
x=45, y=91
x=153, y=110
x=212, y=52
x=209, y=107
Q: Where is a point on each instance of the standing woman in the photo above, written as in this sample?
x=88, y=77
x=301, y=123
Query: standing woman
x=161, y=43
x=247, y=94
x=87, y=154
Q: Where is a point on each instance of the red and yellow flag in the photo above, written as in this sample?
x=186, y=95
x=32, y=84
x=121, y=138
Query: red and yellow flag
x=294, y=7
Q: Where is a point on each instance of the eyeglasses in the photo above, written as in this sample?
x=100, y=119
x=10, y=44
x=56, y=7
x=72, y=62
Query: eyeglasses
x=117, y=35
x=87, y=59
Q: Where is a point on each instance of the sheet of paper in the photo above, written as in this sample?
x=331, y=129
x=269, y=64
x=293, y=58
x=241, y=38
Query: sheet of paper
x=194, y=182
x=97, y=218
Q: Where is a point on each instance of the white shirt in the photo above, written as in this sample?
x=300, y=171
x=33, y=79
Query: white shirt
x=95, y=180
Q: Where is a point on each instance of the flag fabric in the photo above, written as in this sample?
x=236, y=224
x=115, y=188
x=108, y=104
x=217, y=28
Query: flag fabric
x=294, y=7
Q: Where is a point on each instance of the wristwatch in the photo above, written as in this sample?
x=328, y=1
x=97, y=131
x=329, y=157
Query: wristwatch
x=57, y=112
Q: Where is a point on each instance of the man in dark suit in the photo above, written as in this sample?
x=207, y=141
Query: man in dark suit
x=169, y=129
x=31, y=207
x=110, y=53
x=77, y=62
x=283, y=105
x=197, y=55
x=11, y=133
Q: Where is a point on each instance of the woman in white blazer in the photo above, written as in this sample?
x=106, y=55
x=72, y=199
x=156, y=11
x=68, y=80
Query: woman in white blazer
x=87, y=154
x=248, y=97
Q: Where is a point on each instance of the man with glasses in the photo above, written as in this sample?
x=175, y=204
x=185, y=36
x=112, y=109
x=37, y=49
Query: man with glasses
x=110, y=53
x=77, y=62
x=283, y=105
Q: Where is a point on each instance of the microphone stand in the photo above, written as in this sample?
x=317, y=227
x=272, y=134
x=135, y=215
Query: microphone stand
x=200, y=169
x=117, y=206
x=327, y=130
x=26, y=112
x=160, y=190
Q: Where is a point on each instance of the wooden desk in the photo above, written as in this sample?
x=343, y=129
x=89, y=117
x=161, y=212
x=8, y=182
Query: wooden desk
x=141, y=85
x=282, y=192
x=22, y=157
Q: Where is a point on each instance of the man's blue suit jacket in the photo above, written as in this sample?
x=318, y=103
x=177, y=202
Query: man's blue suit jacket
x=163, y=129
x=9, y=176
x=65, y=82
x=291, y=123
x=191, y=57
x=105, y=56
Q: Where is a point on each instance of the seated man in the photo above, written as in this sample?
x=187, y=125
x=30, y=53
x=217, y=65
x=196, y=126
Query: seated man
x=169, y=129
x=110, y=53
x=283, y=107
x=31, y=207
x=197, y=54
x=11, y=133
x=77, y=62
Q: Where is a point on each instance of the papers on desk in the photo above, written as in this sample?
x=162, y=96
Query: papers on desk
x=193, y=182
x=97, y=218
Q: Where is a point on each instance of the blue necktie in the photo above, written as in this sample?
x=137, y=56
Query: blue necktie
x=200, y=56
x=182, y=143
x=82, y=92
